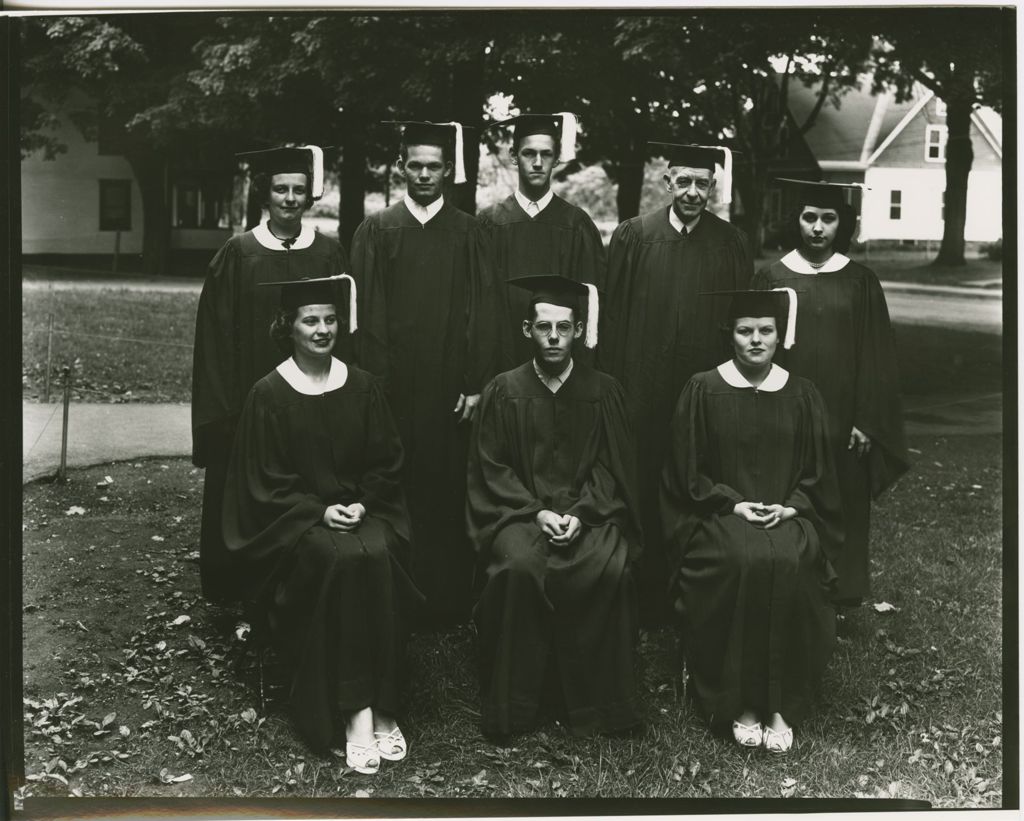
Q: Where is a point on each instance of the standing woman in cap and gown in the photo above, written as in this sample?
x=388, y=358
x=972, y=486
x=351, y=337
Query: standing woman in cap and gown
x=552, y=512
x=752, y=515
x=534, y=231
x=316, y=525
x=655, y=331
x=232, y=349
x=428, y=327
x=846, y=349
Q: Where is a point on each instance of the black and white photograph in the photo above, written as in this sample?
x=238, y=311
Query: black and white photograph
x=530, y=403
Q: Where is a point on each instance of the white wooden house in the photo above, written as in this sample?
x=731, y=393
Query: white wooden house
x=898, y=150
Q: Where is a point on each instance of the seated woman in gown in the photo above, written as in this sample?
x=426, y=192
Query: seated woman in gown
x=751, y=507
x=316, y=522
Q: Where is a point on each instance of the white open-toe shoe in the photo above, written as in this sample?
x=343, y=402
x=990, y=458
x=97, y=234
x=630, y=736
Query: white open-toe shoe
x=748, y=735
x=392, y=746
x=361, y=758
x=778, y=742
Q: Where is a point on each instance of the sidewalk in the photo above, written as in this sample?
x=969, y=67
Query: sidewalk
x=100, y=433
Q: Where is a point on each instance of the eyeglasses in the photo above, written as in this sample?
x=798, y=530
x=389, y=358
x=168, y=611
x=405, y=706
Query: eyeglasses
x=544, y=328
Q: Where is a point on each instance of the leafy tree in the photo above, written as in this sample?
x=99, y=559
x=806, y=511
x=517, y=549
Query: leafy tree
x=133, y=67
x=961, y=61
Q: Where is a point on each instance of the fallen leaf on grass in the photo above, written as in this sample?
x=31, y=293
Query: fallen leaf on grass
x=788, y=788
x=884, y=607
x=74, y=510
x=361, y=794
x=106, y=481
x=167, y=778
x=157, y=538
x=183, y=619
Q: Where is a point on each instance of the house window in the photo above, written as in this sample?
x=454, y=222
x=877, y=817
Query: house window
x=197, y=206
x=895, y=204
x=935, y=143
x=115, y=205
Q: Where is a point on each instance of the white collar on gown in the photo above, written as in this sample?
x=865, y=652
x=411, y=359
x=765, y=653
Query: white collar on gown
x=542, y=203
x=337, y=377
x=423, y=213
x=268, y=240
x=798, y=265
x=775, y=380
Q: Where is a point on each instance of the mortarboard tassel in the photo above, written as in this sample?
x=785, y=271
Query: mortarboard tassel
x=590, y=339
x=318, y=170
x=353, y=323
x=570, y=125
x=790, y=318
x=460, y=160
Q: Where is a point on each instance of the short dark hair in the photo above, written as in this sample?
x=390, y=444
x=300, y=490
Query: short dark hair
x=844, y=233
x=446, y=151
x=516, y=141
x=261, y=188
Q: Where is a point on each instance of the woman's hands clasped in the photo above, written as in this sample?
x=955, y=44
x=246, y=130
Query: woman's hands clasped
x=768, y=516
x=560, y=530
x=344, y=517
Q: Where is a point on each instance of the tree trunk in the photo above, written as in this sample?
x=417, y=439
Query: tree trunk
x=151, y=174
x=467, y=108
x=253, y=208
x=753, y=208
x=959, y=158
x=352, y=180
x=630, y=176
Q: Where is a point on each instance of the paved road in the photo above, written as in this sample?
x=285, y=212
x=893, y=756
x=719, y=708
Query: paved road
x=973, y=309
x=979, y=312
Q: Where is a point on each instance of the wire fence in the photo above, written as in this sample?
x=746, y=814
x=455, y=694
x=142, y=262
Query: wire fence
x=67, y=373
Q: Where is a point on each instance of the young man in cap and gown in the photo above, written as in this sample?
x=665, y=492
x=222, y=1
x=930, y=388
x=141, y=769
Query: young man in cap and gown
x=551, y=510
x=428, y=327
x=847, y=349
x=534, y=231
x=656, y=333
x=232, y=349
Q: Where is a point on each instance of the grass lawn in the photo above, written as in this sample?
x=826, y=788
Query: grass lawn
x=916, y=266
x=132, y=688
x=125, y=346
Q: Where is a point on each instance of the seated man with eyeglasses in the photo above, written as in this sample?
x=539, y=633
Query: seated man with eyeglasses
x=552, y=513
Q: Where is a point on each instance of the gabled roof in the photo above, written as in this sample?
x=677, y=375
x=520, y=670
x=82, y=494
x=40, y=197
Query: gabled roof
x=850, y=131
x=854, y=133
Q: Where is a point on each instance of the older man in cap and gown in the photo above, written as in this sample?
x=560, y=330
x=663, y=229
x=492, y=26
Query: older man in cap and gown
x=656, y=333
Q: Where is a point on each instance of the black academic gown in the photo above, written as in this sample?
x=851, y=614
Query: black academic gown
x=844, y=345
x=571, y=607
x=336, y=603
x=656, y=332
x=560, y=240
x=427, y=326
x=758, y=628
x=232, y=351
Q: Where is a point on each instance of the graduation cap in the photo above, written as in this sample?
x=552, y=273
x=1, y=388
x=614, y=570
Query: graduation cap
x=821, y=194
x=300, y=159
x=701, y=156
x=565, y=292
x=445, y=135
x=316, y=291
x=776, y=302
x=562, y=126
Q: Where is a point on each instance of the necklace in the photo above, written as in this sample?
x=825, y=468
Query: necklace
x=816, y=265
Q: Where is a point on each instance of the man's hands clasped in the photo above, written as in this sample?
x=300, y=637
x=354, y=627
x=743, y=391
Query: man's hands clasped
x=759, y=514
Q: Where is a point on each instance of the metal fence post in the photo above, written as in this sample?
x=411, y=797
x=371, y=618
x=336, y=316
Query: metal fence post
x=62, y=471
x=49, y=354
